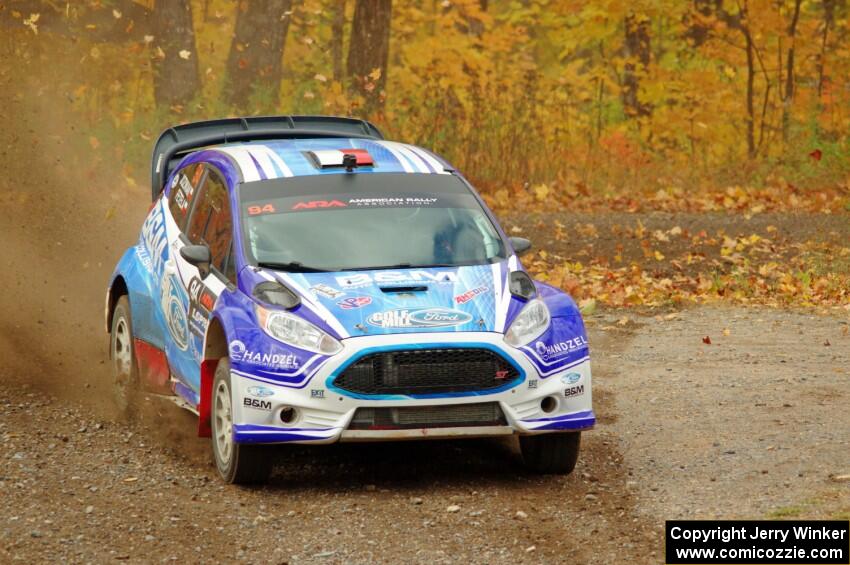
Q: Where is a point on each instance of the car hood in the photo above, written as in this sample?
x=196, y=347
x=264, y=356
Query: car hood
x=443, y=299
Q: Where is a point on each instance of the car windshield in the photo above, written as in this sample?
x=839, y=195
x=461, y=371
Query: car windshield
x=342, y=222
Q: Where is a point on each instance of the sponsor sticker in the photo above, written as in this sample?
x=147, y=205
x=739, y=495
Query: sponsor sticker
x=327, y=291
x=574, y=391
x=560, y=349
x=420, y=318
x=274, y=361
x=381, y=277
x=259, y=391
x=570, y=378
x=154, y=244
x=315, y=204
x=257, y=403
x=470, y=294
x=532, y=383
x=201, y=302
x=175, y=313
x=354, y=302
x=317, y=393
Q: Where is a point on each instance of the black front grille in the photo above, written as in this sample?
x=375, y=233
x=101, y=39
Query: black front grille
x=427, y=371
x=406, y=417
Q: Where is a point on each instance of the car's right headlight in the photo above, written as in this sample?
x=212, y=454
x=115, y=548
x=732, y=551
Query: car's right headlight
x=531, y=322
x=295, y=331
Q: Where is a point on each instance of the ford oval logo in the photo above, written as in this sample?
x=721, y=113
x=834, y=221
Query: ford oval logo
x=570, y=378
x=419, y=318
x=259, y=391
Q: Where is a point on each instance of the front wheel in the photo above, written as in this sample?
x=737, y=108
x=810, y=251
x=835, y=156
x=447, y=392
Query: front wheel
x=236, y=463
x=125, y=372
x=553, y=453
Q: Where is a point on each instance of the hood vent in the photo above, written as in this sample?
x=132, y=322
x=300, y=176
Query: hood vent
x=403, y=289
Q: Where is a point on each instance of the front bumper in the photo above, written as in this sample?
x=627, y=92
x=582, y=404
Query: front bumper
x=324, y=413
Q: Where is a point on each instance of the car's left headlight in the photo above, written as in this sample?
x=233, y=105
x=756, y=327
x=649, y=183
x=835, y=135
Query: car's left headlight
x=531, y=322
x=295, y=331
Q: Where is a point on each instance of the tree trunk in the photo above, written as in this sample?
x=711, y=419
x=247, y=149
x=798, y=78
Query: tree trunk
x=828, y=17
x=637, y=62
x=338, y=38
x=788, y=97
x=256, y=53
x=176, y=79
x=368, y=51
x=751, y=77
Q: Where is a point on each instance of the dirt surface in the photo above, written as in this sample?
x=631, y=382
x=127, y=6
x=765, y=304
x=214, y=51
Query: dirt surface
x=752, y=425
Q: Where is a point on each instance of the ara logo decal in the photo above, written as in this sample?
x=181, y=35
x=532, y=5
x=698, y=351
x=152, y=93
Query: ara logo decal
x=354, y=302
x=365, y=279
x=314, y=204
x=570, y=378
x=422, y=318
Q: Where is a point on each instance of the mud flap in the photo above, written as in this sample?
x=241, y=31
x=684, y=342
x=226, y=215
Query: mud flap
x=208, y=367
x=154, y=373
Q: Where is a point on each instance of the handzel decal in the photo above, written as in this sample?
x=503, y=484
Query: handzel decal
x=470, y=294
x=421, y=318
x=560, y=349
x=574, y=391
x=273, y=361
x=364, y=279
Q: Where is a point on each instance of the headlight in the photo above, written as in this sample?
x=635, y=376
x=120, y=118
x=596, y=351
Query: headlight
x=292, y=330
x=529, y=324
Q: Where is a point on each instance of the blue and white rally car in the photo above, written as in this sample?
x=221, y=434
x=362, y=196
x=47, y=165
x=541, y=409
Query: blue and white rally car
x=302, y=280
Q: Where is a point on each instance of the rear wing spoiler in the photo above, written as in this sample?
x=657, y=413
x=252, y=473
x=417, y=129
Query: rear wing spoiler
x=175, y=142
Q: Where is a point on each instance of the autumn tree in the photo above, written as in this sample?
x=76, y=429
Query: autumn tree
x=256, y=52
x=368, y=51
x=637, y=62
x=176, y=79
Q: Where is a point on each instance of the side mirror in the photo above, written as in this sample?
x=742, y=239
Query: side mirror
x=520, y=245
x=199, y=256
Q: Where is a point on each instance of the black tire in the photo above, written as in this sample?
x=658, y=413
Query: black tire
x=122, y=352
x=236, y=463
x=553, y=453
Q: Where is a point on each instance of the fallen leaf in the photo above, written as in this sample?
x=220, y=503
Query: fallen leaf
x=706, y=340
x=726, y=331
x=185, y=54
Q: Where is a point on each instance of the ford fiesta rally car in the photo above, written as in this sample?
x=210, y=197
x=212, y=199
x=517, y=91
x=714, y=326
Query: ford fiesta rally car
x=301, y=280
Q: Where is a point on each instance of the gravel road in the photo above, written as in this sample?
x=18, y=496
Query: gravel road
x=753, y=425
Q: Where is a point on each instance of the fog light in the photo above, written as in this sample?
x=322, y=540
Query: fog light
x=549, y=404
x=288, y=414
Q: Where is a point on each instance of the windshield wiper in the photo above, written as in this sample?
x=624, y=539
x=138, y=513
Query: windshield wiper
x=382, y=267
x=292, y=267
